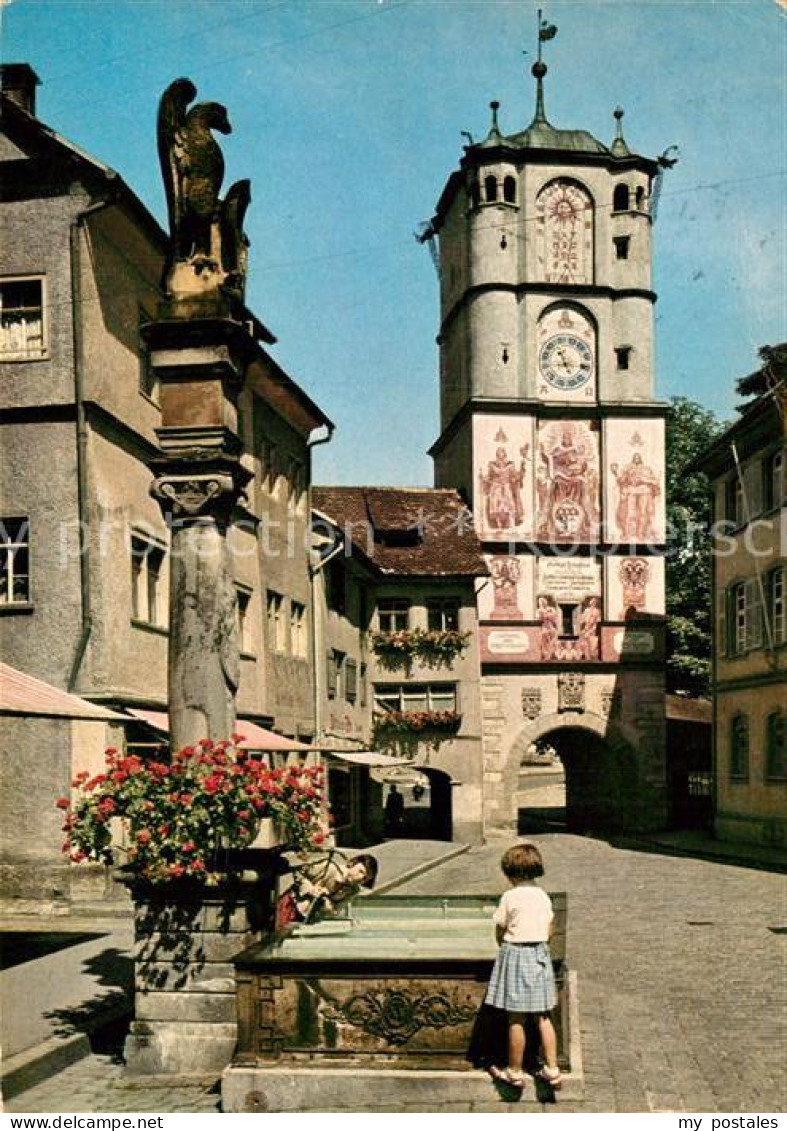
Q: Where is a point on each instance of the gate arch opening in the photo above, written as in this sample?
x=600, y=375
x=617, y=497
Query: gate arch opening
x=590, y=785
x=425, y=809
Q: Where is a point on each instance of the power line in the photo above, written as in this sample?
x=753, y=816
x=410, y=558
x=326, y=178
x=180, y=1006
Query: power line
x=194, y=34
x=376, y=248
x=391, y=6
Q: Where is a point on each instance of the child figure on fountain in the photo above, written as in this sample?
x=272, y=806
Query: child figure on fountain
x=523, y=982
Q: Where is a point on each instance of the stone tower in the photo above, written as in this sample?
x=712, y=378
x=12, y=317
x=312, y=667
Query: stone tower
x=550, y=428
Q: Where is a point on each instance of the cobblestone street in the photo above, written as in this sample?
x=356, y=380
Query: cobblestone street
x=681, y=987
x=681, y=973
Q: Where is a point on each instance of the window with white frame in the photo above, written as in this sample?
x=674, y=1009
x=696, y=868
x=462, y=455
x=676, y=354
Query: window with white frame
x=393, y=614
x=22, y=325
x=14, y=561
x=243, y=595
x=744, y=617
x=410, y=697
x=275, y=620
x=148, y=596
x=298, y=629
x=443, y=614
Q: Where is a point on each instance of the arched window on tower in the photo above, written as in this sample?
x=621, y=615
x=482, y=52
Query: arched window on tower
x=475, y=193
x=564, y=233
x=509, y=190
x=490, y=188
x=639, y=197
x=620, y=198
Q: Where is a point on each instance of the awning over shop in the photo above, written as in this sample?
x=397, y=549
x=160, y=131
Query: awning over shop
x=254, y=737
x=23, y=694
x=366, y=757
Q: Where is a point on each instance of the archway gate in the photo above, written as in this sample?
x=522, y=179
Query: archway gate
x=611, y=784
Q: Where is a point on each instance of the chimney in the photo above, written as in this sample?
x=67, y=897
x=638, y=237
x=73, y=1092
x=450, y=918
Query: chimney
x=18, y=82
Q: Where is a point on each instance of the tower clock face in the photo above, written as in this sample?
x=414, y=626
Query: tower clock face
x=565, y=362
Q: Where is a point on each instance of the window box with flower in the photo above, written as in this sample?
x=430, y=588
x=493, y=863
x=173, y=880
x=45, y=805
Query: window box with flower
x=434, y=648
x=402, y=732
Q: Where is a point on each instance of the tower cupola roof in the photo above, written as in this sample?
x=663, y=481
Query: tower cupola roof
x=494, y=138
x=619, y=147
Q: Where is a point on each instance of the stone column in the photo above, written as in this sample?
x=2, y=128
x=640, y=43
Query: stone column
x=198, y=479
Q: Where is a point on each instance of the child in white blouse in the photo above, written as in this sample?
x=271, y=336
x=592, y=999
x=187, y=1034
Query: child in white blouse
x=523, y=981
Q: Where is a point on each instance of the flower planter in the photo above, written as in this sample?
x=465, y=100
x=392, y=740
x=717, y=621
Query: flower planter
x=397, y=651
x=404, y=731
x=271, y=834
x=186, y=935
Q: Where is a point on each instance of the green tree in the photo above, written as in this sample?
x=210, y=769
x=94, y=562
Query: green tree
x=690, y=430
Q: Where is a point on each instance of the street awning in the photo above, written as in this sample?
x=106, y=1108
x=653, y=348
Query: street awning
x=365, y=757
x=23, y=694
x=254, y=737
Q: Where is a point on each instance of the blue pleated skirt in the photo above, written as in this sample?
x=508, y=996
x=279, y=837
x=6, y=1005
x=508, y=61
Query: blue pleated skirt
x=522, y=979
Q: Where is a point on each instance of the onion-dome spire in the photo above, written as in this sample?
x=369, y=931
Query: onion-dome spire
x=619, y=147
x=494, y=137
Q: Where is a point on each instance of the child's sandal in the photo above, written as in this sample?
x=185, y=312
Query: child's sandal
x=551, y=1076
x=506, y=1076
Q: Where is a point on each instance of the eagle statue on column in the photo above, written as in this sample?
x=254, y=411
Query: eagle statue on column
x=208, y=249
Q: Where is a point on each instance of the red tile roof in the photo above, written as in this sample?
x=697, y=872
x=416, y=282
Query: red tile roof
x=414, y=531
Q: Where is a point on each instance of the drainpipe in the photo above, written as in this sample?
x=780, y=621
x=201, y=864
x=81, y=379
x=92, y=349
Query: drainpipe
x=83, y=487
x=317, y=667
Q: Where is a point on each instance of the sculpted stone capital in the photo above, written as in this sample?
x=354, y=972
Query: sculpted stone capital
x=197, y=496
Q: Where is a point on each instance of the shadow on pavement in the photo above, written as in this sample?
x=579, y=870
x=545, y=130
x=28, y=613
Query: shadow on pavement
x=105, y=1017
x=18, y=947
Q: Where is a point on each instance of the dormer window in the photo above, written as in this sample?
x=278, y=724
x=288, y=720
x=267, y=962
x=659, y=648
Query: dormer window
x=490, y=189
x=620, y=198
x=509, y=190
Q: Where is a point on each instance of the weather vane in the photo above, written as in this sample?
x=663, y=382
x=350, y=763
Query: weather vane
x=545, y=31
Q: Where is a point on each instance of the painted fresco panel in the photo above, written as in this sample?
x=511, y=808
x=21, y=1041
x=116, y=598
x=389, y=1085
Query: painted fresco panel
x=634, y=498
x=621, y=644
x=503, y=461
x=564, y=233
x=566, y=356
x=509, y=645
x=507, y=594
x=567, y=481
x=635, y=586
x=569, y=608
x=618, y=644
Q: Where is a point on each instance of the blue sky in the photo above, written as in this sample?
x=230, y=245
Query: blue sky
x=347, y=117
